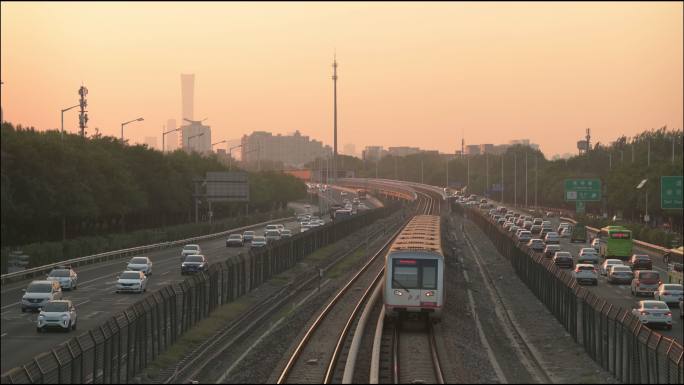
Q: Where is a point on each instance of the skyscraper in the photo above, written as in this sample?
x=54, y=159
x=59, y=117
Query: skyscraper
x=188, y=95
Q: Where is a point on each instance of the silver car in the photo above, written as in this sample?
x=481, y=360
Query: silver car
x=38, y=293
x=58, y=314
x=143, y=264
x=272, y=235
x=66, y=276
x=190, y=250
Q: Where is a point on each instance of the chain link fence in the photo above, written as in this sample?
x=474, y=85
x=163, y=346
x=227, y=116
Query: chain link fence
x=120, y=348
x=611, y=335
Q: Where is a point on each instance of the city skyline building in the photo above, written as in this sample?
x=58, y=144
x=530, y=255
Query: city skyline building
x=292, y=150
x=187, y=96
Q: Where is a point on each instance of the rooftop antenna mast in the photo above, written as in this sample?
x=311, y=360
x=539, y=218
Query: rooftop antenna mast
x=588, y=139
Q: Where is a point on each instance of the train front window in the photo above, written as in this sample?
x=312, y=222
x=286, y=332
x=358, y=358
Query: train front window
x=405, y=277
x=429, y=268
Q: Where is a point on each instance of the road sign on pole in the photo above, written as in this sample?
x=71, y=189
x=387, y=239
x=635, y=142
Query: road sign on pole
x=587, y=190
x=671, y=192
x=580, y=207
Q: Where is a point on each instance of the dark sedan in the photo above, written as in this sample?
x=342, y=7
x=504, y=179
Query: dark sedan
x=194, y=264
x=640, y=262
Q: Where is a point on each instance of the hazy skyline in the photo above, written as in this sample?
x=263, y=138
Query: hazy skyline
x=410, y=74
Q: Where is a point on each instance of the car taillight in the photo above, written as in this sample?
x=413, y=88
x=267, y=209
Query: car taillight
x=429, y=293
x=644, y=313
x=666, y=293
x=668, y=314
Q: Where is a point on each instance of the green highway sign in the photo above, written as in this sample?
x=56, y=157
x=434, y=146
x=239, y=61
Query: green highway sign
x=580, y=207
x=582, y=190
x=671, y=192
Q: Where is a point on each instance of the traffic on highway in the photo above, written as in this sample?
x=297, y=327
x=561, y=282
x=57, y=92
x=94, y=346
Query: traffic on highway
x=626, y=282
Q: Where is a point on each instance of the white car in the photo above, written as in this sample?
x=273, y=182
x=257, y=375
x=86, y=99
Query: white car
x=585, y=272
x=607, y=263
x=566, y=232
x=135, y=281
x=272, y=228
x=190, y=250
x=596, y=244
x=524, y=236
x=272, y=235
x=552, y=238
x=143, y=264
x=668, y=293
x=654, y=313
x=259, y=241
x=588, y=255
x=286, y=233
x=59, y=314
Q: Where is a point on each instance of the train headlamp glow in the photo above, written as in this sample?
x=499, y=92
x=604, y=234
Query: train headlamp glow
x=429, y=293
x=397, y=292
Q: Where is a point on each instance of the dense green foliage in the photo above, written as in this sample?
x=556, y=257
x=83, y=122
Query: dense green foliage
x=97, y=186
x=614, y=164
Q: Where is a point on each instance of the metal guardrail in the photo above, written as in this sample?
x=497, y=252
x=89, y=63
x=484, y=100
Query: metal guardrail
x=116, y=254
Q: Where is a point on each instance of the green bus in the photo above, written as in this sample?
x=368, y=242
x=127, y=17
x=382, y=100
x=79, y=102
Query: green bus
x=616, y=242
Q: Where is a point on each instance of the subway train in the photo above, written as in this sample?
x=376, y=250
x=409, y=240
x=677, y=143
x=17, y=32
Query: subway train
x=414, y=270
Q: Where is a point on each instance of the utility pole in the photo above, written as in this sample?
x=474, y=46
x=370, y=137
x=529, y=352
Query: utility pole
x=610, y=161
x=421, y=170
x=468, y=172
x=673, y=148
x=83, y=116
x=536, y=178
x=502, y=178
x=648, y=161
x=486, y=174
x=447, y=173
x=515, y=179
x=525, y=178
x=334, y=77
x=632, y=151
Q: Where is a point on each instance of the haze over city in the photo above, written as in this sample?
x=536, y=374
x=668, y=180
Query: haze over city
x=410, y=74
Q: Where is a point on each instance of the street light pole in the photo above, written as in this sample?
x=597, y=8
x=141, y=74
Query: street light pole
x=61, y=133
x=525, y=179
x=164, y=137
x=230, y=155
x=515, y=179
x=193, y=136
x=502, y=178
x=214, y=144
x=125, y=123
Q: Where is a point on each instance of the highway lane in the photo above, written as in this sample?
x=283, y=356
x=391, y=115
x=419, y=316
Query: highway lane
x=620, y=295
x=95, y=299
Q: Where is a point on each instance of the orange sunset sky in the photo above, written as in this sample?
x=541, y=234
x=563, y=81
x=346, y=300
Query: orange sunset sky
x=415, y=74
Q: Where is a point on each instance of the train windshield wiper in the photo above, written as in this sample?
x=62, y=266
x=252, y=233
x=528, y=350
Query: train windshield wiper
x=400, y=285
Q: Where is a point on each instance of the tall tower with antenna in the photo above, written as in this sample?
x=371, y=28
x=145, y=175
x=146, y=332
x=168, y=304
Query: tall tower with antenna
x=334, y=78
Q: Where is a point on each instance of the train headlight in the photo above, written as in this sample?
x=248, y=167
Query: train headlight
x=397, y=292
x=429, y=293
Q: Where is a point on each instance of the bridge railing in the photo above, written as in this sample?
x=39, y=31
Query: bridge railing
x=119, y=349
x=117, y=254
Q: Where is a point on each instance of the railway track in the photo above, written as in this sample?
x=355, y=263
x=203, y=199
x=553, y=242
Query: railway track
x=195, y=362
x=322, y=354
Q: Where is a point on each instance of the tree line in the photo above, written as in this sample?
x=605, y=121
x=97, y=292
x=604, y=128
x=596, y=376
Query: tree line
x=59, y=187
x=529, y=178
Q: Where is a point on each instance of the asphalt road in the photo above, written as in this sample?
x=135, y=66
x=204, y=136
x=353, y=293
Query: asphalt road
x=95, y=298
x=619, y=294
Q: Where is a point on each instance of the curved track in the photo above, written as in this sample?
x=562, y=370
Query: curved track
x=322, y=351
